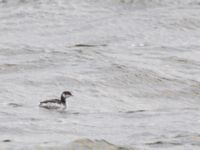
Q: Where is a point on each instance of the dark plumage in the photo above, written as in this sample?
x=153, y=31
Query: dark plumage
x=56, y=103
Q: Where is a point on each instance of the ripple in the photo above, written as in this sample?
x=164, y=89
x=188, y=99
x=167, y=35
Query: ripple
x=15, y=105
x=7, y=140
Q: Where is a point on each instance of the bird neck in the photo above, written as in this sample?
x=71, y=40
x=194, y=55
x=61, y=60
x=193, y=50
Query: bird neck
x=63, y=100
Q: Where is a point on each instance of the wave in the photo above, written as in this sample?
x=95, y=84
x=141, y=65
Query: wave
x=111, y=2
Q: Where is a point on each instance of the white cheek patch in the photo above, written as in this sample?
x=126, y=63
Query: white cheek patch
x=67, y=96
x=63, y=95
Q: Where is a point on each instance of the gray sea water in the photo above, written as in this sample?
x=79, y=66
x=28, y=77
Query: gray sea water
x=133, y=67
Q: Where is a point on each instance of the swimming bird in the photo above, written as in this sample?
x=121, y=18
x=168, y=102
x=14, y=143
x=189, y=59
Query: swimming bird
x=59, y=104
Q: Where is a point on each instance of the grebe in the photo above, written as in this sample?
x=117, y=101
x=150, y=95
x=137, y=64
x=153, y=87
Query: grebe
x=56, y=103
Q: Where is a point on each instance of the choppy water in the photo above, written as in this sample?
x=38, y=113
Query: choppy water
x=133, y=66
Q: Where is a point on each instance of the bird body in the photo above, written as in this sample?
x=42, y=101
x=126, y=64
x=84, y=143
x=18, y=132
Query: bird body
x=56, y=103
